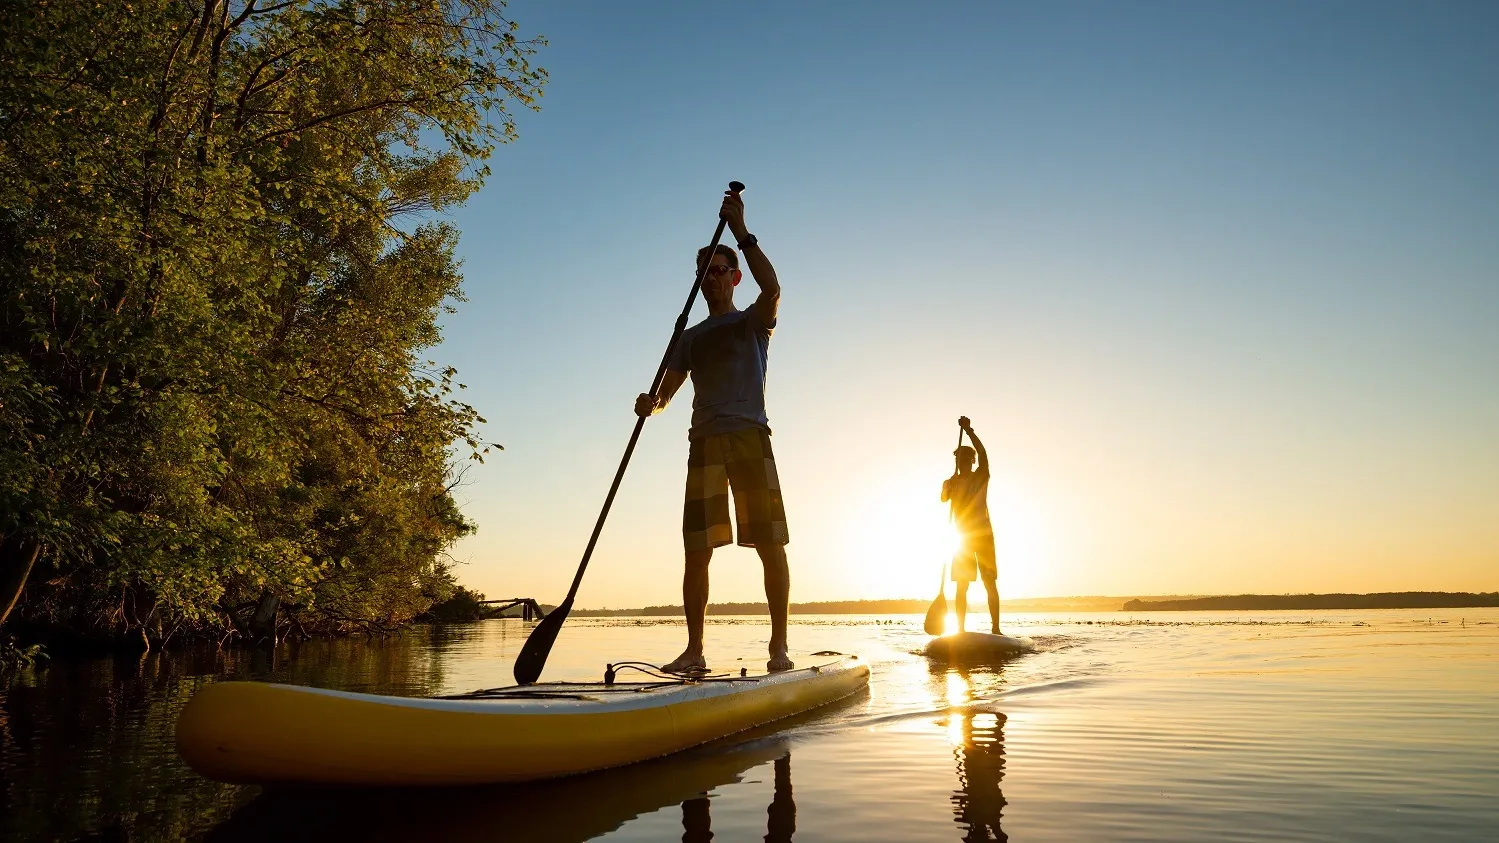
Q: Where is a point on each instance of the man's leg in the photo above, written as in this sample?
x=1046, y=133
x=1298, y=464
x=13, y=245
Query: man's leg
x=705, y=525
x=960, y=602
x=761, y=517
x=778, y=595
x=695, y=605
x=991, y=586
x=988, y=570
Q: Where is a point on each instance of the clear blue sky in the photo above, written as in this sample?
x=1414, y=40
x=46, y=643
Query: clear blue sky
x=1217, y=282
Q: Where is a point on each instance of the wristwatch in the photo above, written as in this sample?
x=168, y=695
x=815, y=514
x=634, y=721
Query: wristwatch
x=747, y=242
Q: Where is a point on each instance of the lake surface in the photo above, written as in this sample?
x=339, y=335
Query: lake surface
x=1338, y=725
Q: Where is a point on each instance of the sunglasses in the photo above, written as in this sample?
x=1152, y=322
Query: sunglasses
x=719, y=269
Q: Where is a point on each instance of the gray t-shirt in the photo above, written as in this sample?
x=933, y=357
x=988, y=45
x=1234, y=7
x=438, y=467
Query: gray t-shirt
x=727, y=356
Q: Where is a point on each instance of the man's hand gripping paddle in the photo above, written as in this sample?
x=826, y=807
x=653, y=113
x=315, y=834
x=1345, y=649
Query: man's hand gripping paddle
x=936, y=614
x=533, y=656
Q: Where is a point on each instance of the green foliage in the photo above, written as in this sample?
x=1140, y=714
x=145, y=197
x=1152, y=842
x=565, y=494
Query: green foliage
x=14, y=656
x=218, y=275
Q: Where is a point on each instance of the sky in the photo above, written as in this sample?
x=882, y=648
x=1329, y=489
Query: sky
x=1217, y=283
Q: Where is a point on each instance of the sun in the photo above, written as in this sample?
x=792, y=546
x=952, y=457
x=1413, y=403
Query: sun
x=900, y=538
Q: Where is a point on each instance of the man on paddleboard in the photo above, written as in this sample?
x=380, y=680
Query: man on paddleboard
x=968, y=491
x=729, y=441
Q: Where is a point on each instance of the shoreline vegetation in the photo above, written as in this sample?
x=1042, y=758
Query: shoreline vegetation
x=1163, y=603
x=224, y=259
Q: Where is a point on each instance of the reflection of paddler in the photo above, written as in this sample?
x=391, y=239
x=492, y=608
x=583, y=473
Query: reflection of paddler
x=572, y=809
x=780, y=817
x=978, y=803
x=968, y=492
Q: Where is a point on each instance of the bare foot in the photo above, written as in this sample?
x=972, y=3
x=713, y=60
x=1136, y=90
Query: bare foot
x=779, y=662
x=688, y=662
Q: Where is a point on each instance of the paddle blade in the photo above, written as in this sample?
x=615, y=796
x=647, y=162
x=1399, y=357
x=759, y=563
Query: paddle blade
x=533, y=656
x=936, y=615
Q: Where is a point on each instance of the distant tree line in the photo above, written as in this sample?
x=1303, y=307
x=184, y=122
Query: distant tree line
x=1384, y=600
x=219, y=271
x=1396, y=600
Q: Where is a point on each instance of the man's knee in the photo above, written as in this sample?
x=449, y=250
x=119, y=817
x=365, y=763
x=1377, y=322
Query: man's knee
x=772, y=554
x=697, y=560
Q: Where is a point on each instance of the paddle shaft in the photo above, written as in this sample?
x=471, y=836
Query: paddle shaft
x=676, y=334
x=939, y=605
x=943, y=581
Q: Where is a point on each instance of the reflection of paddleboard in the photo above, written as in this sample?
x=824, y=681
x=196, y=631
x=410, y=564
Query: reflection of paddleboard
x=568, y=810
x=254, y=732
x=977, y=646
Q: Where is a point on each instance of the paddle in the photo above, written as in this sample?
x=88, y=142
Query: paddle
x=533, y=655
x=936, y=614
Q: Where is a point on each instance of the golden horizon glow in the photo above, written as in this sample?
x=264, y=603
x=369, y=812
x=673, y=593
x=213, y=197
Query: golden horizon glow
x=875, y=529
x=899, y=538
x=1022, y=541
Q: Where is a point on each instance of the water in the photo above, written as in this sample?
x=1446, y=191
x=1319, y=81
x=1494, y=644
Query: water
x=1348, y=725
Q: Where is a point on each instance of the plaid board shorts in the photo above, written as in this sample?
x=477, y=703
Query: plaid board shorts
x=976, y=556
x=741, y=459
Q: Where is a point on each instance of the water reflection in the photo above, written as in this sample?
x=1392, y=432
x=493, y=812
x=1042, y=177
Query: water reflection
x=780, y=820
x=87, y=748
x=978, y=803
x=780, y=817
x=978, y=739
x=566, y=810
x=86, y=745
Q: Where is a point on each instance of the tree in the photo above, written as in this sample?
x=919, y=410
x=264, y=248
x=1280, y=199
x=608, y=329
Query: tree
x=217, y=278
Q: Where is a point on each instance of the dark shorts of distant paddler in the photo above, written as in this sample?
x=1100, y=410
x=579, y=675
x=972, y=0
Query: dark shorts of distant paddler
x=975, y=557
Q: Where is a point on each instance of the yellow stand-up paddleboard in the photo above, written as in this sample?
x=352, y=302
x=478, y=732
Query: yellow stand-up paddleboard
x=255, y=732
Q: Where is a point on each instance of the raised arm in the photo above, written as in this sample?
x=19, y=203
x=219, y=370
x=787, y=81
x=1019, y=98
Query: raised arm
x=769, y=300
x=978, y=446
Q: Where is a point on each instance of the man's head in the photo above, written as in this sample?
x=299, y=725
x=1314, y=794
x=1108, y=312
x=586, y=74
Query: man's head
x=963, y=458
x=723, y=274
